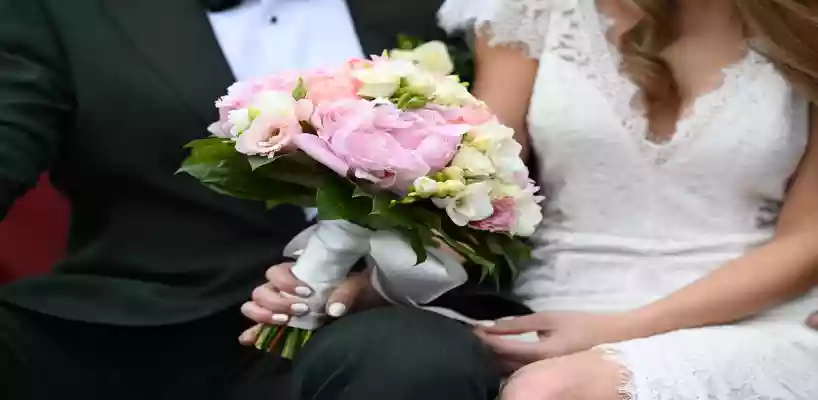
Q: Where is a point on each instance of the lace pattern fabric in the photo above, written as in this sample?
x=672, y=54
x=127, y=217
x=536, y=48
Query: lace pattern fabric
x=521, y=24
x=629, y=221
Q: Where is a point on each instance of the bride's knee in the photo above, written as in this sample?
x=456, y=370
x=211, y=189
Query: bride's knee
x=583, y=376
x=538, y=382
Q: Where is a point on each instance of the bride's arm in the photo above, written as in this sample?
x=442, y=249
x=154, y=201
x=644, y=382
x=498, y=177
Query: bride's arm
x=781, y=270
x=504, y=80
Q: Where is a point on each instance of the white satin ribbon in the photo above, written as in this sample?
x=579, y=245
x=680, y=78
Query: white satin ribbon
x=327, y=251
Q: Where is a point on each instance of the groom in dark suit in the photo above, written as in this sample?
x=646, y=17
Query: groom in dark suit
x=105, y=93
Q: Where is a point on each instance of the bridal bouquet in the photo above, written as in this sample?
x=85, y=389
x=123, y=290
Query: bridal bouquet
x=396, y=156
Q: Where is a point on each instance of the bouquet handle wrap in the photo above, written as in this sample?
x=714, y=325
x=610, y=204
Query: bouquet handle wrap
x=326, y=252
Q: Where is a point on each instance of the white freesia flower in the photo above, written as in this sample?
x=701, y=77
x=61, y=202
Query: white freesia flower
x=473, y=162
x=501, y=189
x=432, y=56
x=529, y=212
x=239, y=121
x=382, y=79
x=422, y=83
x=498, y=143
x=453, y=172
x=472, y=204
x=451, y=187
x=451, y=92
x=425, y=186
x=274, y=103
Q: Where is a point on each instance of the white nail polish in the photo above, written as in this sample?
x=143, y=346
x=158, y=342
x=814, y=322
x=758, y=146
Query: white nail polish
x=336, y=310
x=280, y=317
x=299, y=308
x=487, y=324
x=303, y=291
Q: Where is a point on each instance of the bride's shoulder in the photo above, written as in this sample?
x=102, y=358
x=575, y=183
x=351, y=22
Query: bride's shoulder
x=519, y=23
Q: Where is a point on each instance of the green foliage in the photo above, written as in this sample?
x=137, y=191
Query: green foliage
x=217, y=165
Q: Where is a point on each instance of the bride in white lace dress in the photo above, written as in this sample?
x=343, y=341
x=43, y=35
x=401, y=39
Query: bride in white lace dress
x=675, y=233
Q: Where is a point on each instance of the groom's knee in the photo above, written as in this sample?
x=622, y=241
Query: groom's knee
x=395, y=352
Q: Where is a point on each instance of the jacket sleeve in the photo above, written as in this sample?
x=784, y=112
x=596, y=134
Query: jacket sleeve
x=36, y=100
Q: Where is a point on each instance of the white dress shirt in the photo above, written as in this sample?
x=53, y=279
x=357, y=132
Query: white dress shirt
x=261, y=37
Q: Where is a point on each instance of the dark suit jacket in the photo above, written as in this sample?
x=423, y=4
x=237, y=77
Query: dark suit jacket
x=105, y=93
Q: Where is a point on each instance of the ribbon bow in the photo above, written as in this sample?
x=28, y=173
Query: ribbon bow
x=327, y=251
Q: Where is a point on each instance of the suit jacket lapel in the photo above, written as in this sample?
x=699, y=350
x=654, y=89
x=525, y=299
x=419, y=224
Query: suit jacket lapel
x=363, y=16
x=379, y=22
x=178, y=42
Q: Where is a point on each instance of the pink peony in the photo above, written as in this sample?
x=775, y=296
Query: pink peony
x=330, y=117
x=381, y=143
x=502, y=220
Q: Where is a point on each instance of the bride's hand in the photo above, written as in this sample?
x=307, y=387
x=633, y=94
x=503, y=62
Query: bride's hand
x=269, y=305
x=560, y=333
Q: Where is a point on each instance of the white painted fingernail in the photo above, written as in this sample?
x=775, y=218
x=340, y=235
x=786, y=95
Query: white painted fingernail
x=280, y=317
x=299, y=308
x=337, y=310
x=487, y=324
x=303, y=291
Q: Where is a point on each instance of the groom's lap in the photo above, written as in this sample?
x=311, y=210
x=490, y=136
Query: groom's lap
x=396, y=353
x=43, y=356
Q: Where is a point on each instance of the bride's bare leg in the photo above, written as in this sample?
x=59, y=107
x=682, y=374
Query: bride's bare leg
x=582, y=376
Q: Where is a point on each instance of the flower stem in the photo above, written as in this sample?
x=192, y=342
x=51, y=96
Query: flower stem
x=271, y=336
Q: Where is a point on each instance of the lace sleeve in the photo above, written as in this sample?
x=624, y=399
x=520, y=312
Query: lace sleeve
x=517, y=23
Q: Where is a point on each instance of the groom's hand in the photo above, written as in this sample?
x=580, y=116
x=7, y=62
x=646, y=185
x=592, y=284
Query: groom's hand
x=812, y=321
x=276, y=301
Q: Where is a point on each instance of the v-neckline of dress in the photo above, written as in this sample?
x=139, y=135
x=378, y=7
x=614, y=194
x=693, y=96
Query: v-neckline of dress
x=620, y=91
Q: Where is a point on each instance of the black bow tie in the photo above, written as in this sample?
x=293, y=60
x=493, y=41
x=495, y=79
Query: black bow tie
x=220, y=5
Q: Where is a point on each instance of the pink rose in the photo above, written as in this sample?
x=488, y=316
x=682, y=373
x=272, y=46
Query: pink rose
x=284, y=81
x=270, y=133
x=503, y=218
x=470, y=115
x=324, y=87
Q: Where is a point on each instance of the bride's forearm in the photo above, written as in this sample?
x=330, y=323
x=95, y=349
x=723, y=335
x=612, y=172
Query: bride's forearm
x=781, y=270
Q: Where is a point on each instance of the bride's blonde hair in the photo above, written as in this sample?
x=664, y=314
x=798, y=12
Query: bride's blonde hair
x=786, y=31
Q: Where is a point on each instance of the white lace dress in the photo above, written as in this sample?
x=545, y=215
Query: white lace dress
x=629, y=221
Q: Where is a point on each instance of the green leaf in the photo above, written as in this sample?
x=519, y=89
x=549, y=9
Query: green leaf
x=300, y=92
x=215, y=163
x=334, y=201
x=361, y=192
x=395, y=214
x=406, y=42
x=433, y=219
x=417, y=245
x=257, y=162
x=297, y=168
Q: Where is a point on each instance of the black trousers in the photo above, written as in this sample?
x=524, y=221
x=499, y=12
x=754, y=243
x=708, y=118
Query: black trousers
x=395, y=354
x=43, y=357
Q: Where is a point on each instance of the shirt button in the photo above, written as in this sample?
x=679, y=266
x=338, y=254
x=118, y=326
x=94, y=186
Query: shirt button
x=273, y=19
